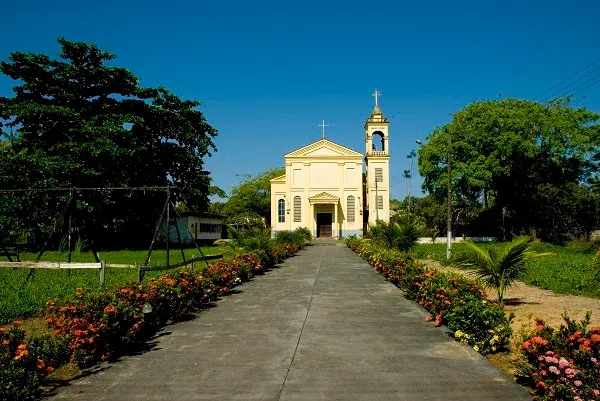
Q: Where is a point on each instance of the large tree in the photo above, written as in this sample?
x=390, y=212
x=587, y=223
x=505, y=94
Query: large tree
x=79, y=121
x=512, y=159
x=251, y=199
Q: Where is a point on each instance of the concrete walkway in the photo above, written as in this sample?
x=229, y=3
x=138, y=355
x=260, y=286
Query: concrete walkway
x=322, y=326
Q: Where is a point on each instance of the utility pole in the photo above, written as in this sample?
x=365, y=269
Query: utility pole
x=449, y=233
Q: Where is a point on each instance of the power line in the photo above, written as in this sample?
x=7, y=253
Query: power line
x=580, y=85
x=566, y=79
x=581, y=90
x=571, y=84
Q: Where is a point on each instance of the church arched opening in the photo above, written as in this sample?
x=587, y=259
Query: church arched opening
x=378, y=143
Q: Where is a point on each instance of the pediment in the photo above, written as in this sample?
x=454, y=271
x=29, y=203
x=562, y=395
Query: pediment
x=324, y=148
x=281, y=178
x=324, y=197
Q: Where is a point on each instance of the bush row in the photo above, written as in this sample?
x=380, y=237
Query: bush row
x=563, y=364
x=452, y=300
x=96, y=326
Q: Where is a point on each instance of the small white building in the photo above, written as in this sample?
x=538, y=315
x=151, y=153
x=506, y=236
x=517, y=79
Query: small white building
x=193, y=226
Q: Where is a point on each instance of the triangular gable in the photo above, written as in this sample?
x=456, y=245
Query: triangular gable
x=324, y=197
x=281, y=178
x=323, y=147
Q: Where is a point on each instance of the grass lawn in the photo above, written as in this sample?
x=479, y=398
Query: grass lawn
x=19, y=298
x=565, y=271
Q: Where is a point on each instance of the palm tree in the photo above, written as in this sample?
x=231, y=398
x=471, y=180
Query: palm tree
x=498, y=270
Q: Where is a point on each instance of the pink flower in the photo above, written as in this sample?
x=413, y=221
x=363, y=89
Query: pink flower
x=563, y=363
x=570, y=373
x=594, y=360
x=553, y=369
x=596, y=392
x=577, y=383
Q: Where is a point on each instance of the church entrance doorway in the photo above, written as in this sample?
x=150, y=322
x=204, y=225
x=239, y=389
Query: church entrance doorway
x=324, y=225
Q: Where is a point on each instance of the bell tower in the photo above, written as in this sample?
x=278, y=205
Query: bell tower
x=377, y=182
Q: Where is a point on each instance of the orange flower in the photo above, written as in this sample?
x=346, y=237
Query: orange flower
x=585, y=345
x=595, y=338
x=538, y=340
x=40, y=364
x=49, y=369
x=16, y=323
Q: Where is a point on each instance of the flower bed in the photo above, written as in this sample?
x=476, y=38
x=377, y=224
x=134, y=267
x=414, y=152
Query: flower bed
x=563, y=364
x=452, y=300
x=92, y=327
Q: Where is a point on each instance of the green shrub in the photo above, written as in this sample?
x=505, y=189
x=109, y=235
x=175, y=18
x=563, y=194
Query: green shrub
x=299, y=236
x=480, y=324
x=401, y=234
x=25, y=364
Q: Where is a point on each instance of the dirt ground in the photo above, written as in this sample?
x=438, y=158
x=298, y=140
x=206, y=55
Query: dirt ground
x=528, y=303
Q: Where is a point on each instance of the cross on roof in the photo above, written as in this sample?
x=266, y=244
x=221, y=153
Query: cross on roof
x=376, y=95
x=323, y=125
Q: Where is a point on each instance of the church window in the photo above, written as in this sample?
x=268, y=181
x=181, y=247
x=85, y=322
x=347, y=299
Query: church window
x=281, y=210
x=379, y=202
x=351, y=209
x=379, y=174
x=297, y=209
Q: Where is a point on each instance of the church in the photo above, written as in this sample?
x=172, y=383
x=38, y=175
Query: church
x=332, y=190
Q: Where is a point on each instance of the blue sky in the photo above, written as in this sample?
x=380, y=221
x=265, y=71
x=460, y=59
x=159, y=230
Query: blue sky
x=269, y=72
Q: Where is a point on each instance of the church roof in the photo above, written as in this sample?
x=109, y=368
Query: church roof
x=281, y=178
x=324, y=197
x=323, y=147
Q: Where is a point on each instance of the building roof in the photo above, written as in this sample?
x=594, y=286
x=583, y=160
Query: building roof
x=323, y=148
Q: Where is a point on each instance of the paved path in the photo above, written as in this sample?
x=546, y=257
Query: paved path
x=323, y=326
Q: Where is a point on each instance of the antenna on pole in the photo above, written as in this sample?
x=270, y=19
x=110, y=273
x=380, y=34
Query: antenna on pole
x=323, y=125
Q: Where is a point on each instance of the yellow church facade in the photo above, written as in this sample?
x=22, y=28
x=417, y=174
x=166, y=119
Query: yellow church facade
x=332, y=190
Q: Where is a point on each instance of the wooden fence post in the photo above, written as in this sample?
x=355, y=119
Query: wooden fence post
x=102, y=272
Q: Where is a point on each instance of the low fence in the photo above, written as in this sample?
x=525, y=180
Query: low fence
x=442, y=240
x=102, y=265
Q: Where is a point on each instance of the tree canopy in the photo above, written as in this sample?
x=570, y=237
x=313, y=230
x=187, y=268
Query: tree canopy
x=80, y=121
x=251, y=199
x=513, y=159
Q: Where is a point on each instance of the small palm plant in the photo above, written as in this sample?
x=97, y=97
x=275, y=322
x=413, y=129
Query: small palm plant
x=498, y=270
